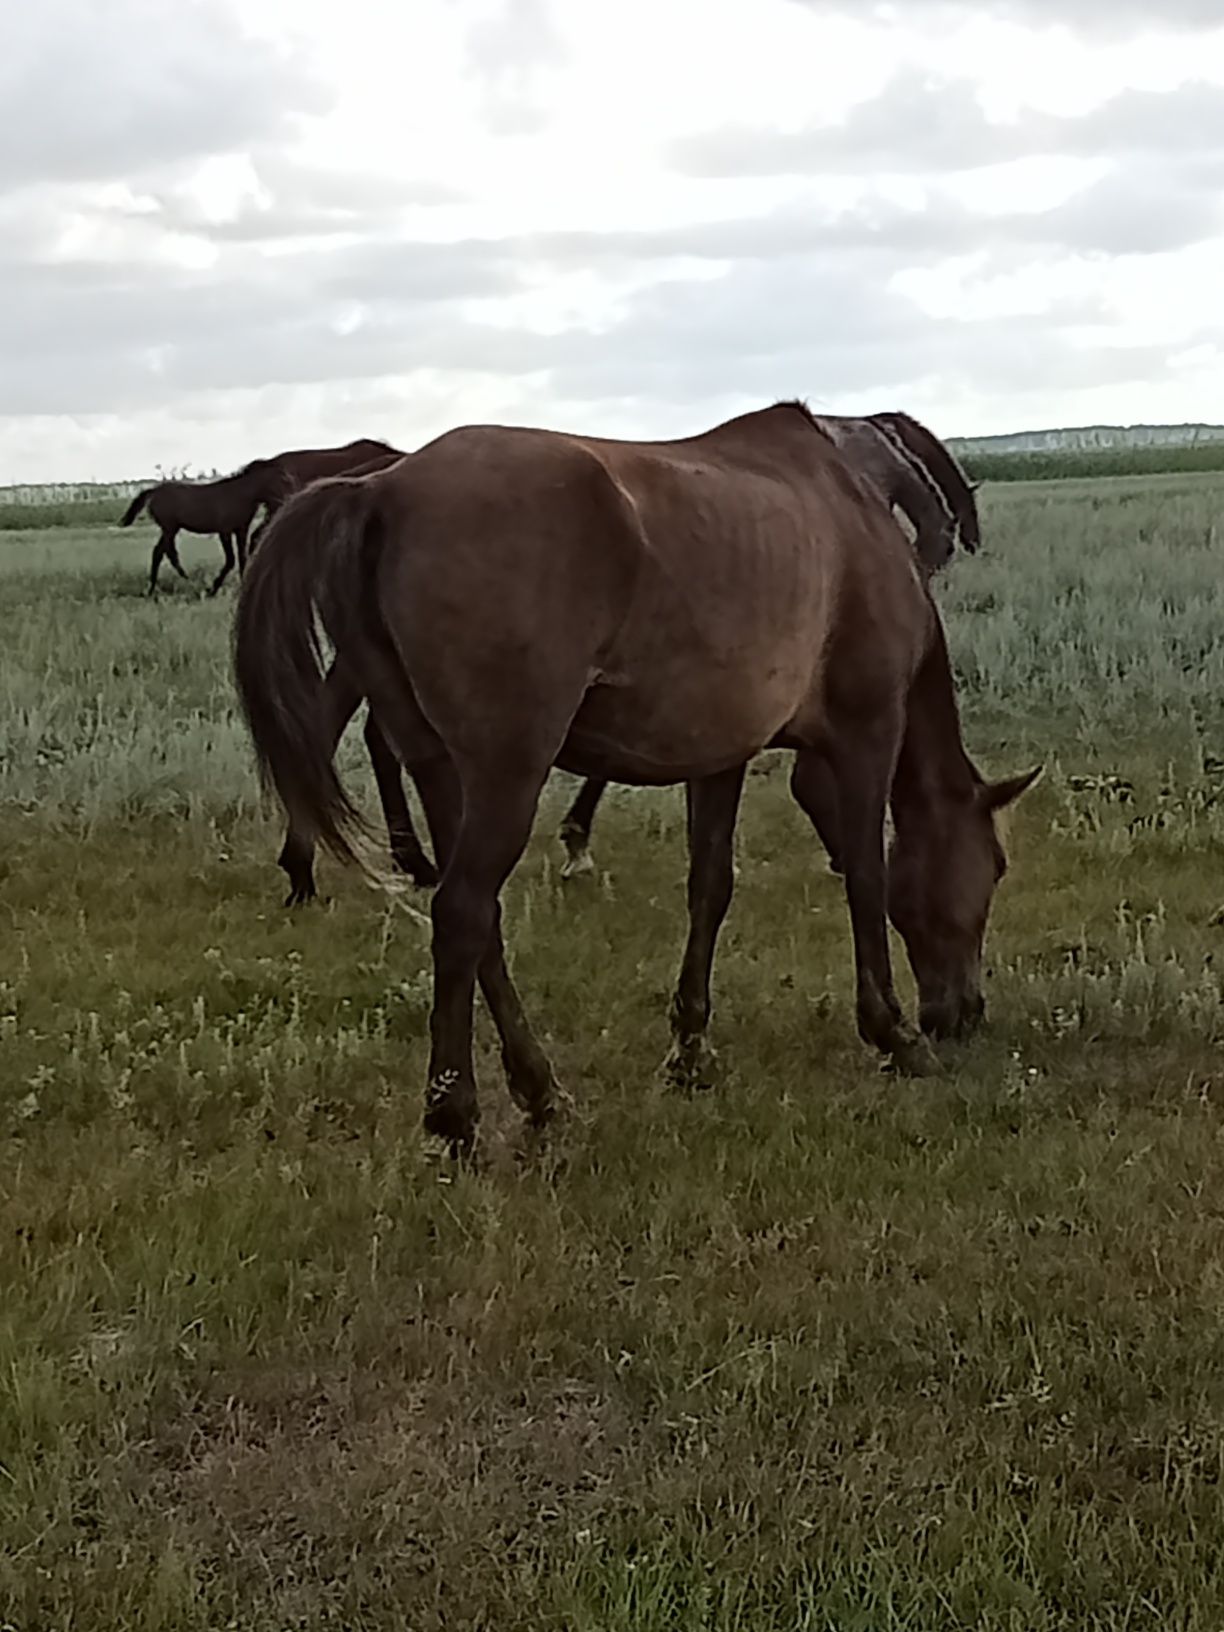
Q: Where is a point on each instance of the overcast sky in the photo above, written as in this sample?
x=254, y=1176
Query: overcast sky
x=232, y=226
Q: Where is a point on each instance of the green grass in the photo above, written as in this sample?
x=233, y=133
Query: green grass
x=822, y=1349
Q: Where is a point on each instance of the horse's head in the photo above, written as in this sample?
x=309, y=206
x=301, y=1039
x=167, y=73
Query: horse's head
x=944, y=866
x=935, y=540
x=969, y=525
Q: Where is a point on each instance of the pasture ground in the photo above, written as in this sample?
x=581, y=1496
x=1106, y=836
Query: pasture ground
x=823, y=1349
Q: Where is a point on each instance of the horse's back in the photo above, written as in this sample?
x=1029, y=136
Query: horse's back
x=299, y=466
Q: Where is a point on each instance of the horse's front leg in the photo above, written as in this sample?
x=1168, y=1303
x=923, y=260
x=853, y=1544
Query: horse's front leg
x=814, y=788
x=862, y=762
x=575, y=829
x=713, y=805
x=406, y=850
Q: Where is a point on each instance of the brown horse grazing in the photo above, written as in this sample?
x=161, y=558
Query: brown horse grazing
x=648, y=613
x=301, y=466
x=226, y=507
x=913, y=472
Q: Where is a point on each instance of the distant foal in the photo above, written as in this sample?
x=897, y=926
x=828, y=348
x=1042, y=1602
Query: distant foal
x=226, y=507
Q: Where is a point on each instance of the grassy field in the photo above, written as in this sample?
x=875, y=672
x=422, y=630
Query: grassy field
x=821, y=1350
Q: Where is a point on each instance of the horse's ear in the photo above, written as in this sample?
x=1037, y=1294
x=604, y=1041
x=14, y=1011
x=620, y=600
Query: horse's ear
x=998, y=795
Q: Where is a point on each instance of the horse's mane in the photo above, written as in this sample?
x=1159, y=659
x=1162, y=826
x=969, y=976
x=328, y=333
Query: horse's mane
x=801, y=406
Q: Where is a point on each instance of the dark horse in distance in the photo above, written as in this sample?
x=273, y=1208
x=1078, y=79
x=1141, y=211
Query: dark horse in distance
x=226, y=506
x=510, y=600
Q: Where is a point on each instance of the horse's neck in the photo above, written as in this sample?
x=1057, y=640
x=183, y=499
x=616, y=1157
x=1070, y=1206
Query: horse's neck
x=911, y=483
x=920, y=500
x=943, y=468
x=933, y=761
x=246, y=485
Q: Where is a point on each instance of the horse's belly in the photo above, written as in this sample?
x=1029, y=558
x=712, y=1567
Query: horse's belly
x=721, y=649
x=695, y=726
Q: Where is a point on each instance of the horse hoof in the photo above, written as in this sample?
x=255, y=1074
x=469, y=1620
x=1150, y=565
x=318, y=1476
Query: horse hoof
x=541, y=1116
x=914, y=1057
x=449, y=1118
x=301, y=895
x=421, y=871
x=691, y=1067
x=579, y=865
x=534, y=1090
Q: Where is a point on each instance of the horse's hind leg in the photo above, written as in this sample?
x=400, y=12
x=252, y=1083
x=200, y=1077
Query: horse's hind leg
x=172, y=554
x=498, y=809
x=227, y=544
x=341, y=699
x=164, y=550
x=575, y=829
x=713, y=805
x=529, y=1075
x=406, y=851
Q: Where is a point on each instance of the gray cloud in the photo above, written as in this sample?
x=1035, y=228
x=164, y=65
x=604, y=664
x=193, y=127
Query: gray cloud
x=925, y=125
x=1113, y=18
x=826, y=327
x=402, y=271
x=91, y=92
x=801, y=300
x=298, y=202
x=80, y=337
x=1144, y=211
x=83, y=336
x=511, y=53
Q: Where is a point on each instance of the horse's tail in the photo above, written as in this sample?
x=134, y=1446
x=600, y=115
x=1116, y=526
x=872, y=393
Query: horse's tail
x=136, y=506
x=314, y=564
